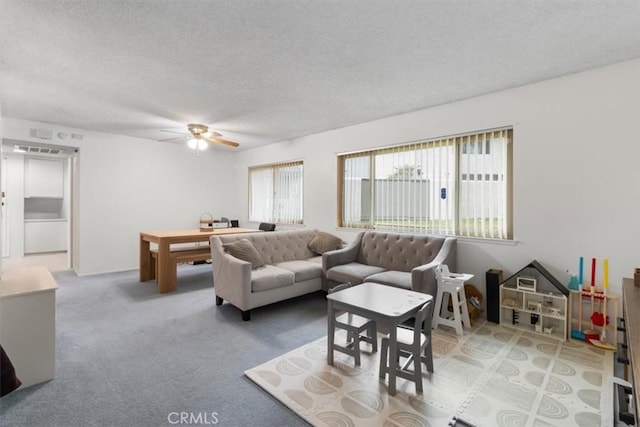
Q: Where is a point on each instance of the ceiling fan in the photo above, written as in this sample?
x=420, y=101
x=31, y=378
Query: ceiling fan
x=198, y=137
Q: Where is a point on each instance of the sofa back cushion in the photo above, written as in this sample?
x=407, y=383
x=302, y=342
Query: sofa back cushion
x=278, y=246
x=401, y=252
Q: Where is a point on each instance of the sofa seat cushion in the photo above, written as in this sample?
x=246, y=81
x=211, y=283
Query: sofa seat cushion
x=316, y=260
x=399, y=279
x=270, y=277
x=302, y=270
x=352, y=272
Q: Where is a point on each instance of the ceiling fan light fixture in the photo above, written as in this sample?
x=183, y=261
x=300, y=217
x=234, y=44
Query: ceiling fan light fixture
x=195, y=143
x=199, y=137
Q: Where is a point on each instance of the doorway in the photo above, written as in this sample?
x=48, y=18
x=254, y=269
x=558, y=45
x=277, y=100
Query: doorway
x=39, y=211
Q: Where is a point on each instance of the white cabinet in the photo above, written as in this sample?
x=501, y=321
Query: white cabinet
x=544, y=313
x=45, y=236
x=28, y=322
x=43, y=178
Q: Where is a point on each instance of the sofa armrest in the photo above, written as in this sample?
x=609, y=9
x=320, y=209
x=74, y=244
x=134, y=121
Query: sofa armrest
x=341, y=256
x=231, y=276
x=423, y=277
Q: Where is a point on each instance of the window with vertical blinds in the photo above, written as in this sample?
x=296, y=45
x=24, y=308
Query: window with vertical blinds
x=275, y=193
x=459, y=185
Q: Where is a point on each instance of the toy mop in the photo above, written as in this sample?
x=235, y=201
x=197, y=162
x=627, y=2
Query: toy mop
x=578, y=334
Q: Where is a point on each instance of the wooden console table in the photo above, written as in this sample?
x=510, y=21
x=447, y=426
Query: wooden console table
x=631, y=302
x=166, y=278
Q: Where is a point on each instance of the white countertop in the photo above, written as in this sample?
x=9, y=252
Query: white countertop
x=26, y=280
x=46, y=220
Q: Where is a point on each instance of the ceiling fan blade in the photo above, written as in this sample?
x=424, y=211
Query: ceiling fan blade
x=218, y=140
x=175, y=139
x=173, y=131
x=199, y=131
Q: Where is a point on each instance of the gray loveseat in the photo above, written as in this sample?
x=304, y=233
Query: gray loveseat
x=291, y=269
x=401, y=260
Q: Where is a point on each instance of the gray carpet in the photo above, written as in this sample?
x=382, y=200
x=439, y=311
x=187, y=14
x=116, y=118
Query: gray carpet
x=127, y=356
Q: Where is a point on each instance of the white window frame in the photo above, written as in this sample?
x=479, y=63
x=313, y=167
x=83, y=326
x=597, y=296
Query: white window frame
x=478, y=183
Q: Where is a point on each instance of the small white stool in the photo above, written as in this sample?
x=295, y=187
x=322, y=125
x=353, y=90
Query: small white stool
x=452, y=285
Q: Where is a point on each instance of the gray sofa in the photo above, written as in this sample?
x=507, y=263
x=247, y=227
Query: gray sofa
x=291, y=269
x=401, y=260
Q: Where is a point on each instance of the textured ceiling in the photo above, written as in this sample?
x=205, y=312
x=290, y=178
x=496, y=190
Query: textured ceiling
x=265, y=71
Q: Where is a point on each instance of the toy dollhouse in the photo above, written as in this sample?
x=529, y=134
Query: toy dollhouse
x=533, y=299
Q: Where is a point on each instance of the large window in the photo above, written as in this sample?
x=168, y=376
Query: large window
x=275, y=193
x=451, y=186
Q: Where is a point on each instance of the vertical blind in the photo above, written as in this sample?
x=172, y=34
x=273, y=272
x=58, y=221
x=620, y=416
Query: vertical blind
x=484, y=179
x=449, y=186
x=275, y=193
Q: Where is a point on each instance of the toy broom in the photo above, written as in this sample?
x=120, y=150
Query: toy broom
x=592, y=334
x=602, y=342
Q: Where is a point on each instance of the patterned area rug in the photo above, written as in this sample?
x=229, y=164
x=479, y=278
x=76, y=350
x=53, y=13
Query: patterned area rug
x=491, y=376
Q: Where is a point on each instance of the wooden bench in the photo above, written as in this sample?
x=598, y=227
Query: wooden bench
x=179, y=255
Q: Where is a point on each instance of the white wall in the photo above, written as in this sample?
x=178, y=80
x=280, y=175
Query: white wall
x=576, y=162
x=128, y=185
x=576, y=181
x=14, y=164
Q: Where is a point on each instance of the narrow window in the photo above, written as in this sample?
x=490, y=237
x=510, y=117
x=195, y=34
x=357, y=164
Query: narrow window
x=275, y=193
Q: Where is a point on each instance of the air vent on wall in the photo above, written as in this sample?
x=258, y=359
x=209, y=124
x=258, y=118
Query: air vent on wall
x=38, y=150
